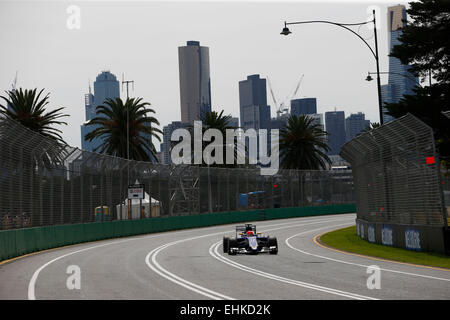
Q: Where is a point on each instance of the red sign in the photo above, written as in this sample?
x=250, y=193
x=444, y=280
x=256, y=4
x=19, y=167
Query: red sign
x=430, y=160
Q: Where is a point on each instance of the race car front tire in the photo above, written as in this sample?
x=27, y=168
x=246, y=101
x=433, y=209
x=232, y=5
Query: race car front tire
x=232, y=244
x=273, y=245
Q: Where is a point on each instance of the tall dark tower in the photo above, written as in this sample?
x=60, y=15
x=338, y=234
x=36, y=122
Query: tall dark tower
x=335, y=126
x=254, y=111
x=400, y=81
x=195, y=82
x=105, y=86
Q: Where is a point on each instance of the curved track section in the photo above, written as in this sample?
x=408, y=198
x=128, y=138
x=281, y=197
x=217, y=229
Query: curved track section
x=190, y=264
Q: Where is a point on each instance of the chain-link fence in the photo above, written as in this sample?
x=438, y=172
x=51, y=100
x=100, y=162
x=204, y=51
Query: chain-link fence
x=396, y=174
x=46, y=183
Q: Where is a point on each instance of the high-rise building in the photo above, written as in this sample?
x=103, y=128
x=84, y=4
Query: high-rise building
x=195, y=82
x=105, y=86
x=303, y=106
x=254, y=111
x=318, y=119
x=166, y=145
x=335, y=126
x=234, y=122
x=400, y=81
x=354, y=124
x=279, y=122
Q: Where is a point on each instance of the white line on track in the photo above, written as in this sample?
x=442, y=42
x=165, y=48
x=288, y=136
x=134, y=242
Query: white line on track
x=358, y=264
x=32, y=283
x=213, y=251
x=151, y=261
x=33, y=280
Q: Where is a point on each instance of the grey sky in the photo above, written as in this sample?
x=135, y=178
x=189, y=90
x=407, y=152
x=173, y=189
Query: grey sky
x=141, y=38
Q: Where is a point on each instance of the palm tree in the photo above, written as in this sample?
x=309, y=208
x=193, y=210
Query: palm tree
x=303, y=144
x=216, y=120
x=372, y=126
x=27, y=108
x=111, y=127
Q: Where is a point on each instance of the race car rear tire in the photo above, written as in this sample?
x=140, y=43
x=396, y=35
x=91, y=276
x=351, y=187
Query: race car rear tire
x=225, y=244
x=272, y=242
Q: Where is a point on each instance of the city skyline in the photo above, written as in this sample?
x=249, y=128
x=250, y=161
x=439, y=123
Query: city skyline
x=228, y=67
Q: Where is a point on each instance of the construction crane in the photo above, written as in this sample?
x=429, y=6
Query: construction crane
x=14, y=84
x=282, y=108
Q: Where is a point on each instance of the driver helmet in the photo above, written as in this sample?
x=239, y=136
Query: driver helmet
x=250, y=233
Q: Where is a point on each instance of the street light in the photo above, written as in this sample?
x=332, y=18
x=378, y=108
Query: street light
x=369, y=77
x=286, y=32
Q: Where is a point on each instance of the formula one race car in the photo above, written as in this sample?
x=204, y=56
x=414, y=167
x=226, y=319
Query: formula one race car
x=248, y=241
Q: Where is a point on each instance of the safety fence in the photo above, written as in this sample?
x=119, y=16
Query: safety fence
x=398, y=185
x=43, y=183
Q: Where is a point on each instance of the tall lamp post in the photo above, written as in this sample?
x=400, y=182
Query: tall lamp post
x=369, y=77
x=127, y=83
x=346, y=26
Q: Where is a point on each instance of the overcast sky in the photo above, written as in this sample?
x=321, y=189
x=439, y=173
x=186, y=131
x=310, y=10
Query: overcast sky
x=140, y=39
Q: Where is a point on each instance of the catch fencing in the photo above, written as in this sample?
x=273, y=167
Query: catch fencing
x=45, y=183
x=398, y=184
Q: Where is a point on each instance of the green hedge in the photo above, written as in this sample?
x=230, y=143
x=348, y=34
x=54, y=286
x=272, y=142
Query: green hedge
x=18, y=242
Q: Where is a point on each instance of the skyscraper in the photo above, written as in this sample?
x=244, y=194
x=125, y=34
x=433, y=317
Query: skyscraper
x=303, y=106
x=105, y=86
x=335, y=126
x=354, y=124
x=195, y=82
x=254, y=111
x=318, y=119
x=166, y=146
x=234, y=122
x=400, y=81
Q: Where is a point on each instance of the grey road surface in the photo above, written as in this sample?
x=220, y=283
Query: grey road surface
x=190, y=264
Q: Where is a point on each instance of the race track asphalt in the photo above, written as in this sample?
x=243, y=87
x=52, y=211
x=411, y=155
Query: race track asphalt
x=190, y=264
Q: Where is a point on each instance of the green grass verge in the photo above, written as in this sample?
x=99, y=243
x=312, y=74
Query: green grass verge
x=347, y=240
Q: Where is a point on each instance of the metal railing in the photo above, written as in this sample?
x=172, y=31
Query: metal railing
x=396, y=174
x=46, y=183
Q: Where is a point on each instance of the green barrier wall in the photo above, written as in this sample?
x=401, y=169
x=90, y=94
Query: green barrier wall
x=14, y=243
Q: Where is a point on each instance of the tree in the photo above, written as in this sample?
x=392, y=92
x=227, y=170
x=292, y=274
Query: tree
x=111, y=127
x=372, y=126
x=425, y=46
x=303, y=144
x=221, y=122
x=215, y=120
x=29, y=109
